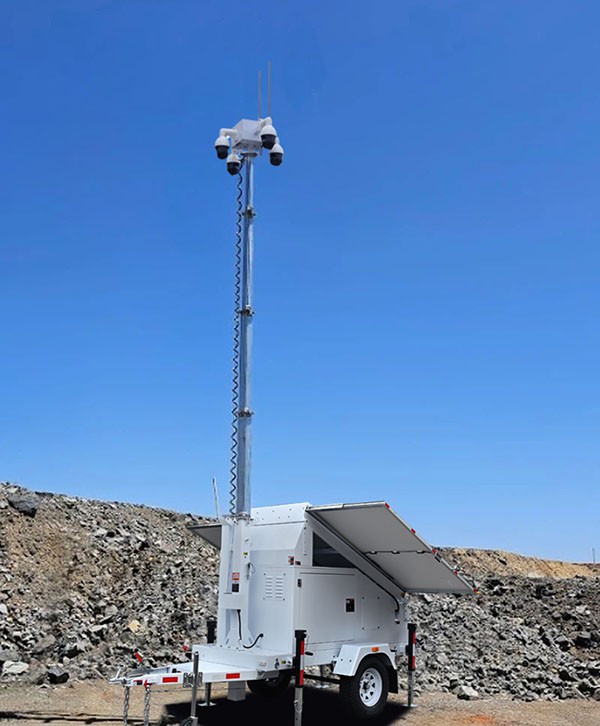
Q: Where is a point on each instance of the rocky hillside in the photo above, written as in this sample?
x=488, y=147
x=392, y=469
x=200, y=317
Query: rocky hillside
x=84, y=584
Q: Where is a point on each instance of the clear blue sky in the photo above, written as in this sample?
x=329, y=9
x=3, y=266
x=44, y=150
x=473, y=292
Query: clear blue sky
x=427, y=258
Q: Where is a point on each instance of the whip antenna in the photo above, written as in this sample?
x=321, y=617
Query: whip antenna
x=260, y=95
x=269, y=89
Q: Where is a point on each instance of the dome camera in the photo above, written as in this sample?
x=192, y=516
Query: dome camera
x=276, y=154
x=268, y=136
x=222, y=147
x=234, y=163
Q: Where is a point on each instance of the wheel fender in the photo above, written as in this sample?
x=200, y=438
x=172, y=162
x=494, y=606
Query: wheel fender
x=351, y=654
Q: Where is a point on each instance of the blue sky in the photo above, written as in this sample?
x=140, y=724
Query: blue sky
x=427, y=258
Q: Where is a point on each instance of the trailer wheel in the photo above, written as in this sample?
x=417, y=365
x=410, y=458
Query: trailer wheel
x=364, y=694
x=271, y=687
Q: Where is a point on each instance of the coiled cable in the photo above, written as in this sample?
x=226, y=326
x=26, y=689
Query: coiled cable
x=235, y=386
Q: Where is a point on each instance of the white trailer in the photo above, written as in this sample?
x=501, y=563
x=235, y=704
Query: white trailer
x=339, y=574
x=299, y=585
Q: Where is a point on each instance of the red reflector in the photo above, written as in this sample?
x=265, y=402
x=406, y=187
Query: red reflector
x=413, y=665
x=412, y=530
x=433, y=551
x=374, y=649
x=387, y=505
x=232, y=676
x=301, y=679
x=170, y=679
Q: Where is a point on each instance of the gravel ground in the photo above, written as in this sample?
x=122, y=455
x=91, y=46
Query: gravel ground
x=96, y=702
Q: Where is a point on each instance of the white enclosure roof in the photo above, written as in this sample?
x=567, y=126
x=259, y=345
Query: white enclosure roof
x=373, y=535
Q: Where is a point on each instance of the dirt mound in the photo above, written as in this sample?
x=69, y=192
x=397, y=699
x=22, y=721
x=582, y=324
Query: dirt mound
x=482, y=563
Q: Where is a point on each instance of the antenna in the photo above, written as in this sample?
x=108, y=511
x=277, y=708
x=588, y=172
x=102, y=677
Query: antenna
x=259, y=94
x=216, y=496
x=269, y=89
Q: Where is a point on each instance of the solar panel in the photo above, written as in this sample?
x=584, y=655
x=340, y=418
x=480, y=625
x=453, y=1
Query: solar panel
x=376, y=538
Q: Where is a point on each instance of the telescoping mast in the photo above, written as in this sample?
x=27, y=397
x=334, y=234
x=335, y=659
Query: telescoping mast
x=300, y=586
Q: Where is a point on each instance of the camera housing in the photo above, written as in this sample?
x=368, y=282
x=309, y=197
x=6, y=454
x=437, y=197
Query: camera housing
x=276, y=154
x=222, y=147
x=268, y=136
x=234, y=163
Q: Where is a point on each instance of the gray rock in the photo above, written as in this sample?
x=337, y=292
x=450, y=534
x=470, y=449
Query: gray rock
x=26, y=504
x=73, y=649
x=36, y=673
x=6, y=654
x=563, y=642
x=56, y=674
x=586, y=686
x=583, y=639
x=44, y=644
x=110, y=613
x=566, y=675
x=14, y=668
x=466, y=693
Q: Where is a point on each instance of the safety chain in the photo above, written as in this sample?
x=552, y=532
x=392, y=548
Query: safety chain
x=147, y=705
x=126, y=704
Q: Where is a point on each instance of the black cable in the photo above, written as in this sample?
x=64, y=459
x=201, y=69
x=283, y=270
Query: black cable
x=258, y=637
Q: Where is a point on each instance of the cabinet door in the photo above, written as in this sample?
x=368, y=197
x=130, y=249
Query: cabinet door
x=328, y=606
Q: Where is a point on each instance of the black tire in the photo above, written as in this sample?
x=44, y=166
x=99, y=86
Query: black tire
x=271, y=687
x=364, y=694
